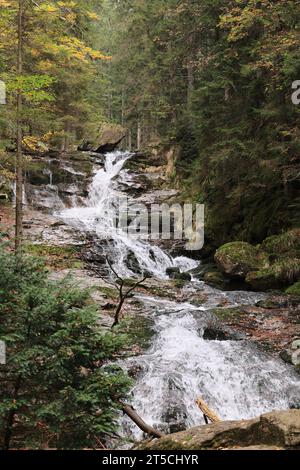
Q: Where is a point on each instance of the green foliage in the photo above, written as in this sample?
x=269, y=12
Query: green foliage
x=215, y=77
x=56, y=390
x=61, y=81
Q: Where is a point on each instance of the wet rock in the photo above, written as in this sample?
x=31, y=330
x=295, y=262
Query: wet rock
x=280, y=430
x=132, y=263
x=135, y=371
x=236, y=260
x=176, y=418
x=291, y=355
x=173, y=272
x=211, y=275
x=217, y=333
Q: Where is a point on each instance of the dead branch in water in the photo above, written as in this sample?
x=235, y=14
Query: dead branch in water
x=123, y=295
x=207, y=412
x=131, y=413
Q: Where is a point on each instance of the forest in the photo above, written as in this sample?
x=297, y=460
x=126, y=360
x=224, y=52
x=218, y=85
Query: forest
x=161, y=101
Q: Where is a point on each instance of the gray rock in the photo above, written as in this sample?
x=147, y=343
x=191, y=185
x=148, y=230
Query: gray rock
x=277, y=430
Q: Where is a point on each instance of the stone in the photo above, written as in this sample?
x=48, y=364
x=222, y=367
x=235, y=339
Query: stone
x=279, y=429
x=175, y=273
x=296, y=344
x=172, y=272
x=294, y=289
x=282, y=273
x=286, y=244
x=291, y=355
x=215, y=333
x=110, y=137
x=236, y=260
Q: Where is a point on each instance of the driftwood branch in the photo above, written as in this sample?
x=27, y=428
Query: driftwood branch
x=131, y=413
x=207, y=412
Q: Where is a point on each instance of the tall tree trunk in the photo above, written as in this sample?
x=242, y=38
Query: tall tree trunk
x=190, y=85
x=129, y=140
x=139, y=136
x=19, y=158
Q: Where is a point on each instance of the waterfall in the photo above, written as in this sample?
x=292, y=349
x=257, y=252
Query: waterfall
x=234, y=377
x=97, y=216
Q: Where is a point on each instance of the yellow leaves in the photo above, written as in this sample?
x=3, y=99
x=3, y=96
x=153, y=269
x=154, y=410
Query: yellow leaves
x=30, y=143
x=75, y=48
x=5, y=4
x=93, y=16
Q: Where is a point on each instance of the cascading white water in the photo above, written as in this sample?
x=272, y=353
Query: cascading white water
x=235, y=378
x=98, y=215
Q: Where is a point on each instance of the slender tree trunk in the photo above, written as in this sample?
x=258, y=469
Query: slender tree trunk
x=190, y=85
x=139, y=136
x=19, y=157
x=129, y=140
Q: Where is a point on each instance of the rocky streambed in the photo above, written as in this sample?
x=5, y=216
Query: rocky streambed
x=194, y=339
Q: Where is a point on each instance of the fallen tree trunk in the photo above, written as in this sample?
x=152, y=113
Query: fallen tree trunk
x=131, y=413
x=207, y=412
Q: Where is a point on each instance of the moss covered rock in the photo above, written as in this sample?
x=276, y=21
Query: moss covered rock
x=236, y=260
x=280, y=274
x=285, y=245
x=294, y=289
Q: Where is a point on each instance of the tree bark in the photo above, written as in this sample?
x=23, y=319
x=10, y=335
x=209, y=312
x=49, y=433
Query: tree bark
x=19, y=157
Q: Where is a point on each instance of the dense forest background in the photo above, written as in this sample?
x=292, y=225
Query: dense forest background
x=208, y=83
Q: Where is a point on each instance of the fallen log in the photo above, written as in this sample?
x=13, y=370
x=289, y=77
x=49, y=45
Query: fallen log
x=207, y=412
x=132, y=414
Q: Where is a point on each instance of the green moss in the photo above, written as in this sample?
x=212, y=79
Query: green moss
x=282, y=273
x=57, y=257
x=214, y=278
x=286, y=244
x=138, y=329
x=109, y=292
x=179, y=283
x=237, y=259
x=226, y=313
x=294, y=290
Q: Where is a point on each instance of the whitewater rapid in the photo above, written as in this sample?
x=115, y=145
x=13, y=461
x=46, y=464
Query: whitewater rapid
x=235, y=378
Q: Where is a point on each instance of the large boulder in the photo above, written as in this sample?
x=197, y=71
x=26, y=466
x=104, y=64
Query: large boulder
x=109, y=139
x=277, y=430
x=285, y=245
x=294, y=289
x=281, y=273
x=236, y=260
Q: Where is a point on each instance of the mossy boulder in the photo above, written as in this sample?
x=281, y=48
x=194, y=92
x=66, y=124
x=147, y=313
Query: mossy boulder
x=285, y=245
x=277, y=276
x=236, y=260
x=211, y=275
x=294, y=289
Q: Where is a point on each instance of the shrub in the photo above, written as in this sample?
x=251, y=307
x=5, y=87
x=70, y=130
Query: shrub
x=56, y=388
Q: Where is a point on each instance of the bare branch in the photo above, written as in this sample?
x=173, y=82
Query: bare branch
x=131, y=413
